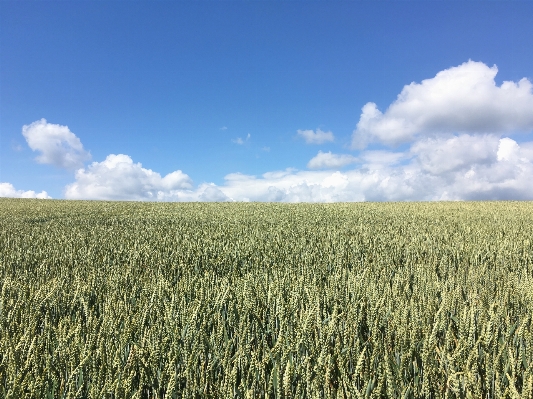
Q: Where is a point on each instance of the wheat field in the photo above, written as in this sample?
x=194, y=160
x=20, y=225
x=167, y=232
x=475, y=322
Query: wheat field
x=248, y=300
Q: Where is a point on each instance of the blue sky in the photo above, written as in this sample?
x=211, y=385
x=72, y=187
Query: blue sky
x=263, y=100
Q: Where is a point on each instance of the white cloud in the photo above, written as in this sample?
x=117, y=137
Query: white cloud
x=318, y=137
x=507, y=150
x=7, y=190
x=378, y=159
x=463, y=99
x=454, y=168
x=318, y=186
x=118, y=178
x=442, y=155
x=465, y=167
x=56, y=143
x=241, y=141
x=457, y=126
x=327, y=160
x=287, y=186
x=210, y=193
x=16, y=146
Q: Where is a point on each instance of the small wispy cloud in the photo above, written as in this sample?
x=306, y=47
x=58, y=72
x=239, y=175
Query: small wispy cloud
x=224, y=128
x=318, y=137
x=16, y=146
x=240, y=140
x=327, y=160
x=266, y=149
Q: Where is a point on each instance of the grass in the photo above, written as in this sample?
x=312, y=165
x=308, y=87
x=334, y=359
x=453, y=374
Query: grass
x=366, y=300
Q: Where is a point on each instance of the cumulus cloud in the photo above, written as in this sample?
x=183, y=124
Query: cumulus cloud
x=8, y=190
x=56, y=143
x=501, y=170
x=318, y=137
x=443, y=155
x=119, y=178
x=459, y=100
x=378, y=159
x=310, y=186
x=327, y=160
x=286, y=186
x=457, y=126
x=463, y=167
x=208, y=193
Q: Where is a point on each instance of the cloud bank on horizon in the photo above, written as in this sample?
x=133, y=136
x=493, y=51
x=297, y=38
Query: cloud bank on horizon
x=456, y=125
x=8, y=190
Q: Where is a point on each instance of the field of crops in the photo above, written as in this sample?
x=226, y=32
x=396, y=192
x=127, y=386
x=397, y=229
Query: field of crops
x=146, y=300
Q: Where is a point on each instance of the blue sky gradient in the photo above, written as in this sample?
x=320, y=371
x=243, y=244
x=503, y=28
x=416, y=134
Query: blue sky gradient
x=174, y=85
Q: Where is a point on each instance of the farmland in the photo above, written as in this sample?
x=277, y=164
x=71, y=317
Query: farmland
x=367, y=300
